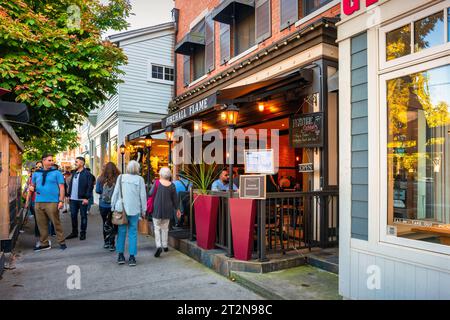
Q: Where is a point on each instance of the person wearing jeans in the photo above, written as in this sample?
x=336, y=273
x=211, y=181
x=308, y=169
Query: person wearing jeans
x=80, y=190
x=48, y=183
x=164, y=207
x=129, y=196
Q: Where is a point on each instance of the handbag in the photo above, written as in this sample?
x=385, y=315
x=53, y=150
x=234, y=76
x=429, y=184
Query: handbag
x=120, y=217
x=151, y=199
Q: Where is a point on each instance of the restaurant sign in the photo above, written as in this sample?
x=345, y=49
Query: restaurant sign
x=351, y=6
x=252, y=187
x=259, y=161
x=306, y=167
x=306, y=130
x=190, y=111
x=140, y=133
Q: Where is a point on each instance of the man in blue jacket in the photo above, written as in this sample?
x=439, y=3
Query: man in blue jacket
x=80, y=190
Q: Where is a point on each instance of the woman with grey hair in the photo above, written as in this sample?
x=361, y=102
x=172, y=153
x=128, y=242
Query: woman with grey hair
x=164, y=207
x=134, y=198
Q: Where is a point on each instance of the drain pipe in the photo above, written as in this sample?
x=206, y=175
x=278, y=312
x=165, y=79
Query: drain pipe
x=175, y=18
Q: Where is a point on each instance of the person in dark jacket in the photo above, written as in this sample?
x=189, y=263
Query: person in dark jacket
x=80, y=190
x=164, y=206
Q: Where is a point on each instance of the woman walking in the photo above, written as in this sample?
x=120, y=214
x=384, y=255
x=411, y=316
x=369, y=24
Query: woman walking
x=105, y=185
x=129, y=189
x=164, y=208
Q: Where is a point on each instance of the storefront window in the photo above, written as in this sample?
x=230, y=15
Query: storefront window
x=398, y=43
x=105, y=147
x=114, y=147
x=429, y=32
x=419, y=155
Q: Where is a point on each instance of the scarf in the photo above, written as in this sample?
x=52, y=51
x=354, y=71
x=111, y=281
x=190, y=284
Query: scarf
x=44, y=174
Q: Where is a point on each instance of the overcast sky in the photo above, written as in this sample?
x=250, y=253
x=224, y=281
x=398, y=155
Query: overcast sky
x=148, y=13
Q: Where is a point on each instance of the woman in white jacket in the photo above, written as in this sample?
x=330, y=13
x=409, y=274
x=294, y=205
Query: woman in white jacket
x=134, y=204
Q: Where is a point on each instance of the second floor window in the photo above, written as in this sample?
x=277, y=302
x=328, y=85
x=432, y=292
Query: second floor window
x=293, y=10
x=162, y=72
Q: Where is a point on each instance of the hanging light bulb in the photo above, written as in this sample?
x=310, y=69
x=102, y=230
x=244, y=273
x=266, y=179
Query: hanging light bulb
x=261, y=107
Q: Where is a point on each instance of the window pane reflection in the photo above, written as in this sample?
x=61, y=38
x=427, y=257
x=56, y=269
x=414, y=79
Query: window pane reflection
x=429, y=32
x=398, y=43
x=418, y=163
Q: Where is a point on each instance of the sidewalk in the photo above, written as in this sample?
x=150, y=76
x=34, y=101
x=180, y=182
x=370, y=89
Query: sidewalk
x=301, y=283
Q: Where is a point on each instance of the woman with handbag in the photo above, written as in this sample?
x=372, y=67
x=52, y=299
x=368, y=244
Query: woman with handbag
x=165, y=204
x=129, y=204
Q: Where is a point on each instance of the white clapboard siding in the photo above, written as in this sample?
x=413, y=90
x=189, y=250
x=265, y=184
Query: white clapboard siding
x=399, y=280
x=109, y=108
x=137, y=93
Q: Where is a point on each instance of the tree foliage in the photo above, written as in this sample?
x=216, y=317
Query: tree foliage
x=53, y=58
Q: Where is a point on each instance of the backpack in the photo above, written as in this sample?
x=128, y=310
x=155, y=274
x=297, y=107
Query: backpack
x=107, y=193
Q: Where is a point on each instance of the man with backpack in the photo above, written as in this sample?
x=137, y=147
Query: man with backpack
x=105, y=185
x=80, y=190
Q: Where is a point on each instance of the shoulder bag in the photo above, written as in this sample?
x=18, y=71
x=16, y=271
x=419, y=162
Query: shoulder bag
x=120, y=217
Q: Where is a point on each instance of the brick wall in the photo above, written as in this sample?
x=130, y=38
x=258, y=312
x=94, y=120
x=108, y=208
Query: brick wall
x=191, y=9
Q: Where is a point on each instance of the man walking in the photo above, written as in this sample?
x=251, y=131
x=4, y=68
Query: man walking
x=48, y=183
x=80, y=190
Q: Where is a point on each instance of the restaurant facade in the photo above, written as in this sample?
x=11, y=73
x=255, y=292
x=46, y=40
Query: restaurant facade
x=394, y=79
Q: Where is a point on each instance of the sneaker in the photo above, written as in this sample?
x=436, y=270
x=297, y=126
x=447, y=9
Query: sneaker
x=73, y=235
x=63, y=246
x=121, y=259
x=112, y=248
x=166, y=249
x=132, y=261
x=42, y=248
x=106, y=246
x=83, y=236
x=158, y=252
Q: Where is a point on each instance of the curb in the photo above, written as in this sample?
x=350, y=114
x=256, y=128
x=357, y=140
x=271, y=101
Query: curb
x=260, y=290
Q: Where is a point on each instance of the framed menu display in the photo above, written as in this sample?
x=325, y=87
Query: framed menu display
x=306, y=130
x=260, y=161
x=252, y=186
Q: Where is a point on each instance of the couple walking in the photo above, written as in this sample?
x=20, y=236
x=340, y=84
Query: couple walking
x=130, y=190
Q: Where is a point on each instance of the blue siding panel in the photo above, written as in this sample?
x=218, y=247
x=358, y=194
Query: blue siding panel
x=359, y=43
x=359, y=109
x=360, y=141
x=359, y=92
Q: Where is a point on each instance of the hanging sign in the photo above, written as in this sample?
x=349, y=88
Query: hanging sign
x=259, y=161
x=306, y=167
x=306, y=130
x=252, y=187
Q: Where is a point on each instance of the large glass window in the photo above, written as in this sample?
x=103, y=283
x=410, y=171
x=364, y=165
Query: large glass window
x=418, y=108
x=398, y=43
x=245, y=30
x=114, y=148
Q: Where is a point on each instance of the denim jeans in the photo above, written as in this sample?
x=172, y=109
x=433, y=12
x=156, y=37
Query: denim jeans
x=132, y=235
x=75, y=206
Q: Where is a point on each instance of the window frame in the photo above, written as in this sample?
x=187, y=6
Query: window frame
x=413, y=56
x=384, y=237
x=157, y=80
x=317, y=12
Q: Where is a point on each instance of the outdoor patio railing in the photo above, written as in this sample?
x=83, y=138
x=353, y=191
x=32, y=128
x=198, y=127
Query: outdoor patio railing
x=285, y=221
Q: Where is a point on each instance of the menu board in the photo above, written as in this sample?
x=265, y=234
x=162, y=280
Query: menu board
x=259, y=161
x=306, y=130
x=252, y=187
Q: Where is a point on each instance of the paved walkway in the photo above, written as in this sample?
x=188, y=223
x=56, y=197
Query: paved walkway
x=43, y=275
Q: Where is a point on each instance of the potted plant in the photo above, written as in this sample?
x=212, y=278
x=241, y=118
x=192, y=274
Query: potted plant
x=242, y=215
x=205, y=206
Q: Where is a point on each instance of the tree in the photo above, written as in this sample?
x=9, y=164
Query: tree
x=53, y=58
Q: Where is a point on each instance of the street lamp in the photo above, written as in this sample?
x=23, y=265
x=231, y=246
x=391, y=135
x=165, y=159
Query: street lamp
x=148, y=145
x=122, y=152
x=169, y=136
x=231, y=118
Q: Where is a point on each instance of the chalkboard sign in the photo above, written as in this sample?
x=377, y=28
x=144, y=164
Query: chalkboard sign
x=306, y=130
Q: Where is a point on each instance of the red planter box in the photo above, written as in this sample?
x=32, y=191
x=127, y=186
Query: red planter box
x=206, y=220
x=243, y=213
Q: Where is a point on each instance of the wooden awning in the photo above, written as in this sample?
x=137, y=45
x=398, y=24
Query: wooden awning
x=226, y=10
